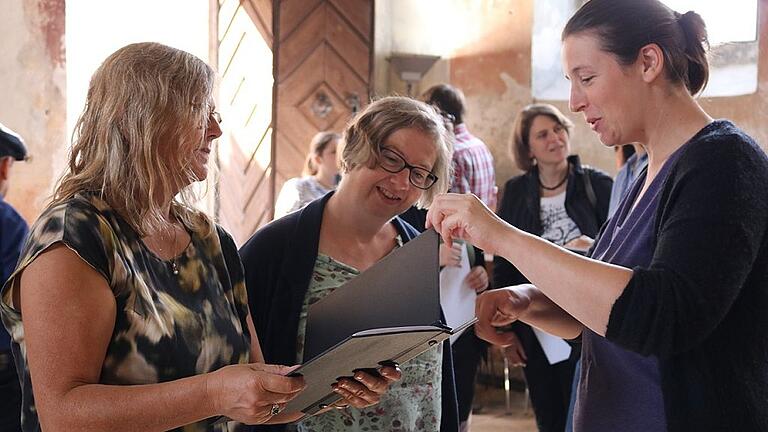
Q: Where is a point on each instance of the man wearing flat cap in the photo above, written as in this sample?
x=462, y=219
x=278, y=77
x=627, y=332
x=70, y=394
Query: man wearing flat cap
x=13, y=233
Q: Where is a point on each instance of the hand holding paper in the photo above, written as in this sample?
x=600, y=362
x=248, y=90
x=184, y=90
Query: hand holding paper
x=450, y=256
x=477, y=279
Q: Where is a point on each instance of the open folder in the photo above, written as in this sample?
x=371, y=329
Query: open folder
x=388, y=314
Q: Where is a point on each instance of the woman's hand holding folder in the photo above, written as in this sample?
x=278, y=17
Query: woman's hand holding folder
x=365, y=388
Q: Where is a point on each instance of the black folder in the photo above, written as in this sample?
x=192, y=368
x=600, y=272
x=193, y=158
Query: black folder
x=389, y=313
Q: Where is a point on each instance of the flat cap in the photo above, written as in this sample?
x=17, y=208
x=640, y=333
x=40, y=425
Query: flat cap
x=11, y=144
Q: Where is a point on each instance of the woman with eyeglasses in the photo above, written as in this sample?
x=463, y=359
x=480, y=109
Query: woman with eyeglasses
x=128, y=308
x=395, y=153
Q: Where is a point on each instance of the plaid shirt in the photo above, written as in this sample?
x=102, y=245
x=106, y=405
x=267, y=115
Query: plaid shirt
x=473, y=167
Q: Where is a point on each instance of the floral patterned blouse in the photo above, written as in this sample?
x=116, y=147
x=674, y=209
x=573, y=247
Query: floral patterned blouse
x=167, y=326
x=411, y=404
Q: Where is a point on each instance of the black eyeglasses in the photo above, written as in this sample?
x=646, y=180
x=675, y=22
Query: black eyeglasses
x=394, y=163
x=216, y=116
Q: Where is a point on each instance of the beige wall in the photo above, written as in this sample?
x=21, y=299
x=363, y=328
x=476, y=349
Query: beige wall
x=41, y=104
x=492, y=65
x=32, y=85
x=485, y=47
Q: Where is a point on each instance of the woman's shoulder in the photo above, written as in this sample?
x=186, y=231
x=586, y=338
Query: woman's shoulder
x=596, y=173
x=273, y=235
x=518, y=186
x=723, y=143
x=80, y=223
x=299, y=182
x=517, y=181
x=76, y=215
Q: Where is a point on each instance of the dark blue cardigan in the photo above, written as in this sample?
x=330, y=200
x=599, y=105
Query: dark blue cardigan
x=279, y=260
x=701, y=306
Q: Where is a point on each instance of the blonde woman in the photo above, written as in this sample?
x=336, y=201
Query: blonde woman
x=396, y=154
x=319, y=175
x=128, y=309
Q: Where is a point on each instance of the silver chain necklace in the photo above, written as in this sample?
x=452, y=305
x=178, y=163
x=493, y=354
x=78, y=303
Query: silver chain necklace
x=172, y=260
x=174, y=266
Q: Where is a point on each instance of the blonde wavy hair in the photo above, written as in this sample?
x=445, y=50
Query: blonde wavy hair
x=366, y=133
x=135, y=139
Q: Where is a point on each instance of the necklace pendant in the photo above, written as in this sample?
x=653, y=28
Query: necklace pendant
x=174, y=268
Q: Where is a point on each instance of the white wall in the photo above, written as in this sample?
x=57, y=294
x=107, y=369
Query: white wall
x=95, y=29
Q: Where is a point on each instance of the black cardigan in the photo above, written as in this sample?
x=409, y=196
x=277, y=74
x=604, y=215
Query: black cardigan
x=702, y=305
x=521, y=205
x=279, y=260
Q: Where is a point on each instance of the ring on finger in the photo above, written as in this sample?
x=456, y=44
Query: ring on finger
x=275, y=410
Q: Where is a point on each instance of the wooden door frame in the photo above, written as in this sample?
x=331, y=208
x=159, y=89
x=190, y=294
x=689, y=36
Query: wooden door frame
x=274, y=43
x=275, y=64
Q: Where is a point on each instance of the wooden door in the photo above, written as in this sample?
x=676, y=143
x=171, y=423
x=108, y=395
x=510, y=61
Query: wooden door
x=241, y=49
x=323, y=55
x=288, y=69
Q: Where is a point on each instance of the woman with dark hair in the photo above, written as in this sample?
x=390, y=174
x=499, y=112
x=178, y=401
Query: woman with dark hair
x=561, y=201
x=671, y=304
x=319, y=175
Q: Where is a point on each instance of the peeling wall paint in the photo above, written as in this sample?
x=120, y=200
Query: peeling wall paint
x=52, y=27
x=493, y=68
x=33, y=85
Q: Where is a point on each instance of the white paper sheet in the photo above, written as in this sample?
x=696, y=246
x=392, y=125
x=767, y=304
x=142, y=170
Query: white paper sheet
x=555, y=348
x=456, y=297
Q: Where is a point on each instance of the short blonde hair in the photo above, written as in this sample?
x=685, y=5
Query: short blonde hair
x=135, y=138
x=366, y=133
x=521, y=131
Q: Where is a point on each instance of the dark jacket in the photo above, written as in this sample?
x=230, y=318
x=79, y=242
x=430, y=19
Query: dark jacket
x=701, y=306
x=521, y=204
x=279, y=260
x=550, y=385
x=13, y=233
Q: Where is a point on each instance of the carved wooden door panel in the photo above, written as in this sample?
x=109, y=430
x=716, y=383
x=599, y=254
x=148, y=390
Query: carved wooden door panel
x=324, y=51
x=288, y=69
x=241, y=49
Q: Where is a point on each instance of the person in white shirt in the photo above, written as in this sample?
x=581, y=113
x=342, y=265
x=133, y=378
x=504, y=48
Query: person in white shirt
x=319, y=176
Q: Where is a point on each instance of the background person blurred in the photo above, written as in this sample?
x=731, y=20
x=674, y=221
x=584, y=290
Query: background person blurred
x=633, y=164
x=13, y=233
x=319, y=177
x=395, y=154
x=472, y=162
x=565, y=203
x=473, y=172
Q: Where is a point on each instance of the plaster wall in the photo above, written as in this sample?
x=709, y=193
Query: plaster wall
x=489, y=57
x=44, y=86
x=33, y=89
